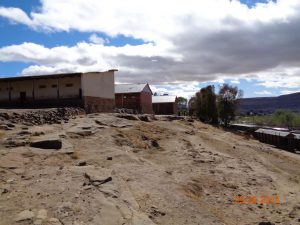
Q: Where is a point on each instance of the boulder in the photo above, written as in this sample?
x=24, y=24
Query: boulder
x=47, y=144
x=24, y=215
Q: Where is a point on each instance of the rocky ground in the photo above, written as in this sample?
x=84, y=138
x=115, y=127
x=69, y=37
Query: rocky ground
x=121, y=169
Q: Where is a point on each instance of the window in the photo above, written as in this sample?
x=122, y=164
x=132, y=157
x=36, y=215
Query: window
x=54, y=85
x=42, y=86
x=69, y=85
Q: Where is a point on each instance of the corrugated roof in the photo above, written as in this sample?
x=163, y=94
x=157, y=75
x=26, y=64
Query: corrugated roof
x=163, y=99
x=244, y=125
x=46, y=76
x=129, y=88
x=296, y=135
x=273, y=132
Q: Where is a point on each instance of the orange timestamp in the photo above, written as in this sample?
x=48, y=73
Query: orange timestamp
x=252, y=200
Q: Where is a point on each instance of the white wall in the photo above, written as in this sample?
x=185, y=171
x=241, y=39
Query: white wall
x=69, y=92
x=98, y=84
x=48, y=92
x=21, y=86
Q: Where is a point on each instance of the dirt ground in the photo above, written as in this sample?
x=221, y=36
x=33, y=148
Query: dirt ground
x=115, y=171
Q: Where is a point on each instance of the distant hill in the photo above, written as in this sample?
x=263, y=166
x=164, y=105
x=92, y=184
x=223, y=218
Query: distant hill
x=270, y=104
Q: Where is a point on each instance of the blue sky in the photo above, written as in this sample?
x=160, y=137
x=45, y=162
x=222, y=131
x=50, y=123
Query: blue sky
x=49, y=38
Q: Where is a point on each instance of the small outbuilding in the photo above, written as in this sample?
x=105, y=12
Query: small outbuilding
x=164, y=105
x=274, y=137
x=94, y=91
x=137, y=97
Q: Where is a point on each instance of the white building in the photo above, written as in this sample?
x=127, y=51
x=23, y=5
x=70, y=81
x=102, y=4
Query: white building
x=94, y=91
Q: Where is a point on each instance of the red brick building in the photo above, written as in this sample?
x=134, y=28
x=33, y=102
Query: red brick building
x=164, y=105
x=134, y=96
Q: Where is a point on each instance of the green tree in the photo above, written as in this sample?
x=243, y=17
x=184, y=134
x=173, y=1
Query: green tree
x=203, y=105
x=181, y=100
x=192, y=106
x=227, y=102
x=284, y=118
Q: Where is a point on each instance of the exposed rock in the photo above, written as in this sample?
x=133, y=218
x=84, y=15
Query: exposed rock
x=24, y=215
x=97, y=177
x=54, y=221
x=109, y=158
x=80, y=163
x=295, y=212
x=4, y=127
x=154, y=144
x=266, y=223
x=144, y=118
x=38, y=117
x=42, y=214
x=77, y=131
x=128, y=116
x=24, y=132
x=47, y=144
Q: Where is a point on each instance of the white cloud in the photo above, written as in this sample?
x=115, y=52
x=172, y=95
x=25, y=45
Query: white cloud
x=190, y=40
x=94, y=38
x=264, y=92
x=235, y=81
x=16, y=15
x=286, y=92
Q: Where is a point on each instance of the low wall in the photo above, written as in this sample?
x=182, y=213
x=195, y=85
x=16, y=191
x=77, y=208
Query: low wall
x=97, y=104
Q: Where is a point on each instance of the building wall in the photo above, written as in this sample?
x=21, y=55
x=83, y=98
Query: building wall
x=69, y=87
x=45, y=89
x=146, y=102
x=98, y=85
x=4, y=91
x=95, y=91
x=98, y=90
x=128, y=101
x=21, y=86
x=164, y=108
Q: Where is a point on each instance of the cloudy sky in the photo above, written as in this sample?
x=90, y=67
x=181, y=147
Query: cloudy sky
x=178, y=46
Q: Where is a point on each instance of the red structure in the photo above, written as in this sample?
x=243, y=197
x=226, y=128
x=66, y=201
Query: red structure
x=134, y=96
x=164, y=105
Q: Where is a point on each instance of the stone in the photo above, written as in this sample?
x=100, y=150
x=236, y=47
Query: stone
x=4, y=127
x=24, y=132
x=109, y=158
x=47, y=144
x=80, y=163
x=128, y=116
x=97, y=177
x=38, y=222
x=266, y=223
x=295, y=212
x=154, y=144
x=24, y=215
x=42, y=214
x=54, y=221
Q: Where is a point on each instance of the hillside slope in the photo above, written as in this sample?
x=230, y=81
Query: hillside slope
x=270, y=104
x=113, y=171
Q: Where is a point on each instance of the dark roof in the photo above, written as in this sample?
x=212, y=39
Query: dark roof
x=47, y=76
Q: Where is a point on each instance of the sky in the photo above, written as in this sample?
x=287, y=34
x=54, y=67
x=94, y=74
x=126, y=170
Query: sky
x=176, y=46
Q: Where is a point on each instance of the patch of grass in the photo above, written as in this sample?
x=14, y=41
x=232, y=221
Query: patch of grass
x=281, y=118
